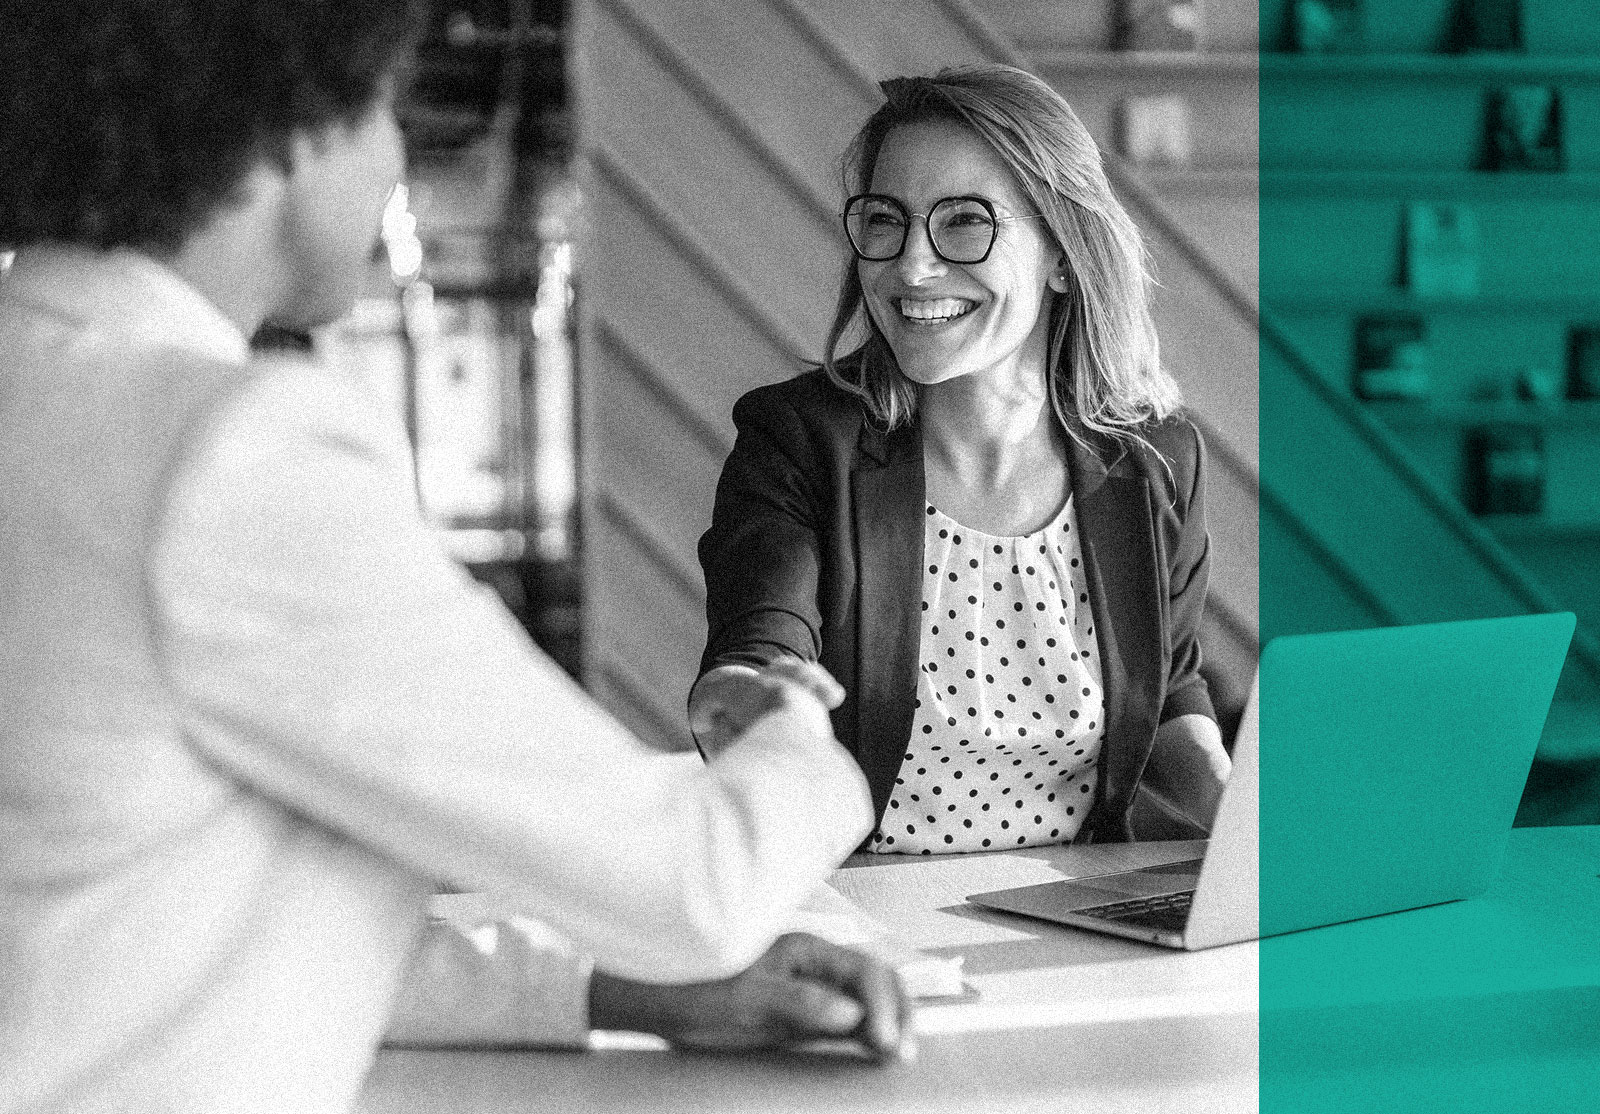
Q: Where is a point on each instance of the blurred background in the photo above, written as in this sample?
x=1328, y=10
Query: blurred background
x=621, y=215
x=1430, y=258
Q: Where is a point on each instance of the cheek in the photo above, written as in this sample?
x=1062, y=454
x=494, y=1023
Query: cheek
x=1028, y=291
x=376, y=164
x=869, y=275
x=393, y=158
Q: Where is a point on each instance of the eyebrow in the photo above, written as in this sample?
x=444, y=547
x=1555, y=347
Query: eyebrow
x=1000, y=206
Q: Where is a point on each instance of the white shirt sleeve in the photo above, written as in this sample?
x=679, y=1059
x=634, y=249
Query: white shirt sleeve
x=484, y=976
x=328, y=655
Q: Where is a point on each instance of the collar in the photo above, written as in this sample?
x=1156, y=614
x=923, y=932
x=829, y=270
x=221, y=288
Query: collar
x=125, y=294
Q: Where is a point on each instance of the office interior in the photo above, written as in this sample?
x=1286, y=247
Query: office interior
x=620, y=216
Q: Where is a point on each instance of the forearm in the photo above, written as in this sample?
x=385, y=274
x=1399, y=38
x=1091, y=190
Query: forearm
x=1188, y=767
x=329, y=656
x=618, y=1003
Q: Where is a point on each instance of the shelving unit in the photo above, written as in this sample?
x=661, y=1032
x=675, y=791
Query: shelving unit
x=1563, y=414
x=1432, y=185
x=1515, y=528
x=1350, y=140
x=1465, y=69
x=1567, y=303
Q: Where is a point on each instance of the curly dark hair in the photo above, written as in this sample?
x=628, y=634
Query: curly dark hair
x=127, y=123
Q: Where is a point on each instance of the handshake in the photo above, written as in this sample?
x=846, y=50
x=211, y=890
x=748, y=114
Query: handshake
x=729, y=699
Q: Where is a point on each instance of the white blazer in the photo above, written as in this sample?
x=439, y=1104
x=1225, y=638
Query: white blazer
x=252, y=718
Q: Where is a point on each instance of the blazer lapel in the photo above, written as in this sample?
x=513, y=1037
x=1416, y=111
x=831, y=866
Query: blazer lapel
x=1114, y=517
x=889, y=489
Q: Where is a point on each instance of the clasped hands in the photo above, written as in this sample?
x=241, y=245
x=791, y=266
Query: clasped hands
x=729, y=699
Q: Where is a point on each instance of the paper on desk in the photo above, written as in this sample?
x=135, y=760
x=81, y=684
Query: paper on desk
x=836, y=918
x=912, y=896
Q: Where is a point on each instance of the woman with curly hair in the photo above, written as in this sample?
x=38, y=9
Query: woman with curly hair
x=253, y=717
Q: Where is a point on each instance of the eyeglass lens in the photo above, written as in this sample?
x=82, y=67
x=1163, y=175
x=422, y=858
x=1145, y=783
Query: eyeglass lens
x=962, y=228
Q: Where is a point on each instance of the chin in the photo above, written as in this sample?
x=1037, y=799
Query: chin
x=927, y=370
x=927, y=376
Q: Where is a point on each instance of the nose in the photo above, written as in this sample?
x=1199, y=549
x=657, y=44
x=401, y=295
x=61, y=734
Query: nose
x=919, y=262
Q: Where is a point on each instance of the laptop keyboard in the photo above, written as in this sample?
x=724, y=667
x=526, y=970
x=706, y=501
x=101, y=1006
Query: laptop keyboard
x=1168, y=912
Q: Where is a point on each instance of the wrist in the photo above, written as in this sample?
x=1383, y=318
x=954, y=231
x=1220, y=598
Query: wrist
x=616, y=1003
x=705, y=686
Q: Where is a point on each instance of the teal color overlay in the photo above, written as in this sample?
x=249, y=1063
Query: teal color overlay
x=1472, y=490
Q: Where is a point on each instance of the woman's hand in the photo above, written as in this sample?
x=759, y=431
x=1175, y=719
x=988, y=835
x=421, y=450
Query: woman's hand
x=728, y=699
x=1188, y=768
x=803, y=989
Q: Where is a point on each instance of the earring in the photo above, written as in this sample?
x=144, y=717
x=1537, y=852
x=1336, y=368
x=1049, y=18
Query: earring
x=1058, y=282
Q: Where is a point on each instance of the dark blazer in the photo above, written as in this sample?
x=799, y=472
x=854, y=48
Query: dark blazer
x=815, y=549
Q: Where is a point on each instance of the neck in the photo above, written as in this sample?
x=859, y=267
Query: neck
x=232, y=261
x=984, y=430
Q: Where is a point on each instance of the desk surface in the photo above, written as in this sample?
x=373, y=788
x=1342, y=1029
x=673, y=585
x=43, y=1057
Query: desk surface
x=1115, y=1024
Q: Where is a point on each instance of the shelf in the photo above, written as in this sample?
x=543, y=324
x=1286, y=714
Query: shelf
x=1534, y=528
x=1449, y=185
x=1469, y=68
x=1145, y=63
x=1566, y=414
x=1307, y=299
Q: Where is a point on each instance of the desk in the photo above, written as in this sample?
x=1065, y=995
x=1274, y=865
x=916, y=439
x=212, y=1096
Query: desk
x=1073, y=1019
x=1117, y=1025
x=1490, y=1005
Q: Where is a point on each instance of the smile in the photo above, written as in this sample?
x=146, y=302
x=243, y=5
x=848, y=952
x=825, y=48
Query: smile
x=934, y=311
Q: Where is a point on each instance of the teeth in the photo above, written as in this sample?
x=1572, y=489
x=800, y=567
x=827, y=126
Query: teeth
x=934, y=309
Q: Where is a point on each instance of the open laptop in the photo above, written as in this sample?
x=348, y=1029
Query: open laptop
x=1395, y=759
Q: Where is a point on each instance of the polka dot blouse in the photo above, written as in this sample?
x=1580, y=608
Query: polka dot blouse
x=1010, y=711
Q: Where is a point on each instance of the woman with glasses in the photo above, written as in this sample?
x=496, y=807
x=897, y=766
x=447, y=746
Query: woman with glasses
x=986, y=518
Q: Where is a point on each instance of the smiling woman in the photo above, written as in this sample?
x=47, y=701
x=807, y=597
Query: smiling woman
x=974, y=304
x=987, y=520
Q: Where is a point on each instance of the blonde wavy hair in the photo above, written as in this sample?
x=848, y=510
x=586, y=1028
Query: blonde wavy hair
x=1105, y=361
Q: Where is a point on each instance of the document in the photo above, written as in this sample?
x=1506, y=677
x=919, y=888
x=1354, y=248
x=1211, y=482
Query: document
x=928, y=900
x=837, y=919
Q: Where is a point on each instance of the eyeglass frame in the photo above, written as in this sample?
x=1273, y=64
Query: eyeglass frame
x=905, y=237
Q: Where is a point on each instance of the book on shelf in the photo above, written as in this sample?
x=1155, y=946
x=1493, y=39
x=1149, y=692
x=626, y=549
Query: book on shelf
x=1324, y=26
x=1442, y=250
x=1583, y=362
x=1506, y=470
x=1391, y=358
x=1485, y=25
x=1541, y=385
x=1523, y=129
x=1156, y=129
x=1158, y=25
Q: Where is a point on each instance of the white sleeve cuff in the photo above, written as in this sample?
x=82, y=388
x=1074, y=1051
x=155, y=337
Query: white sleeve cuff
x=485, y=976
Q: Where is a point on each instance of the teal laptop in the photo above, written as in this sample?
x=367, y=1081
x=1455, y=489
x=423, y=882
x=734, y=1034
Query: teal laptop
x=1395, y=758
